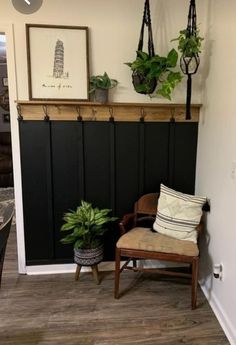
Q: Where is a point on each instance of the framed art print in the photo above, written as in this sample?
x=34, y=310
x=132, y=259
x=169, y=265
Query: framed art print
x=57, y=62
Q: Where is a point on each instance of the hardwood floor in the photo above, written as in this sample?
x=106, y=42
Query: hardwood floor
x=57, y=310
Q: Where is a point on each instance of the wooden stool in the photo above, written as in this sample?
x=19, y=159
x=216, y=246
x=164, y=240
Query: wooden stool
x=94, y=270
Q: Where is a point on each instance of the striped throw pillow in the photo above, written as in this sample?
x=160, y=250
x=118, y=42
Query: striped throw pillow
x=178, y=214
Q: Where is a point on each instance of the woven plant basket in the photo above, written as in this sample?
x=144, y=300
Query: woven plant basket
x=88, y=257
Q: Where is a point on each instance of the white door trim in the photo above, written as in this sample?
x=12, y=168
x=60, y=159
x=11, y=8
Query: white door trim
x=8, y=29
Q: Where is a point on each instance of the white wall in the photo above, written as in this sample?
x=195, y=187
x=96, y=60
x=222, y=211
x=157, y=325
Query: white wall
x=114, y=33
x=216, y=152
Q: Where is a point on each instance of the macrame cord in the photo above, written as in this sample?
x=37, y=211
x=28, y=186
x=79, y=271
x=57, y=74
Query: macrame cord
x=189, y=64
x=136, y=76
x=147, y=21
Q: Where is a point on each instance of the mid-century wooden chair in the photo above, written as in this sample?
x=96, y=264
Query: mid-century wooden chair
x=137, y=242
x=4, y=234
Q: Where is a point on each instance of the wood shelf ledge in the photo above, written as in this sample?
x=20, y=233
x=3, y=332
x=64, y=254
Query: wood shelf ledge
x=92, y=111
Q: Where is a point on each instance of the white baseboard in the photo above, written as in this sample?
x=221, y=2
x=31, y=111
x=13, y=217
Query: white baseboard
x=103, y=266
x=66, y=268
x=222, y=317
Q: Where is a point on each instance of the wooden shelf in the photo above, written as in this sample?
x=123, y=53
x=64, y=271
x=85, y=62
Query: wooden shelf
x=92, y=111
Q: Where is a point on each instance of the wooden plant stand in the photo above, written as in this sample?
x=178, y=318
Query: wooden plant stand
x=94, y=271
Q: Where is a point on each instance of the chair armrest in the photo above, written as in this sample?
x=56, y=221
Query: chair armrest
x=126, y=223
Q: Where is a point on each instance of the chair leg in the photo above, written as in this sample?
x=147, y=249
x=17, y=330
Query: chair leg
x=117, y=273
x=195, y=267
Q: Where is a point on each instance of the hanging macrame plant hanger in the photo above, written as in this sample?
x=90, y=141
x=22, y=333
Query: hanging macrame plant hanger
x=189, y=63
x=137, y=77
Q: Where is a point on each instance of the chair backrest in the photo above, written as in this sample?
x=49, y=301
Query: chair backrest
x=6, y=225
x=146, y=207
x=147, y=204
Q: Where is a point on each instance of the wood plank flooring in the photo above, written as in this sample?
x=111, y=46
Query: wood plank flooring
x=57, y=310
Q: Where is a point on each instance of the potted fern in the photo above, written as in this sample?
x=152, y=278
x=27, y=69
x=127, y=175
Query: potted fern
x=155, y=73
x=87, y=226
x=100, y=85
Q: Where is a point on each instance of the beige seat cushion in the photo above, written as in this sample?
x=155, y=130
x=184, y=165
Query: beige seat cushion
x=145, y=239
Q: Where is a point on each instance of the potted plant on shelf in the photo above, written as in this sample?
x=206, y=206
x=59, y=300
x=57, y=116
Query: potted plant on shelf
x=87, y=225
x=100, y=85
x=155, y=73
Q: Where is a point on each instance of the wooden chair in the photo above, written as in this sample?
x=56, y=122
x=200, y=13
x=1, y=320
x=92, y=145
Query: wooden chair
x=137, y=242
x=4, y=234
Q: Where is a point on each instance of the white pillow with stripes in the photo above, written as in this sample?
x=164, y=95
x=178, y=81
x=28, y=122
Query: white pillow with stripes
x=178, y=214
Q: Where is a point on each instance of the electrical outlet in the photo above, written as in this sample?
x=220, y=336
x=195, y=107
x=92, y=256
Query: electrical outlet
x=218, y=271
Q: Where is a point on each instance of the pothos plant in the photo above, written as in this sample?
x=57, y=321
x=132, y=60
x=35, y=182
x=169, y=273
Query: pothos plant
x=102, y=82
x=189, y=44
x=87, y=225
x=157, y=68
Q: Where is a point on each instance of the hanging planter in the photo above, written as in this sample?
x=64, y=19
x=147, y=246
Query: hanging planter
x=158, y=68
x=151, y=72
x=142, y=83
x=190, y=48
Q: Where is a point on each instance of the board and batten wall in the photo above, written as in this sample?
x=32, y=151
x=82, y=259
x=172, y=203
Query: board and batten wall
x=114, y=30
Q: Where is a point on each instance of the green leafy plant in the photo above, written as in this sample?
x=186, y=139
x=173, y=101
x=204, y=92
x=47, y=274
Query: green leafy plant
x=87, y=225
x=159, y=68
x=189, y=44
x=102, y=82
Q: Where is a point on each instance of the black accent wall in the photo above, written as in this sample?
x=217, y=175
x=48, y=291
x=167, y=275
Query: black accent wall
x=109, y=164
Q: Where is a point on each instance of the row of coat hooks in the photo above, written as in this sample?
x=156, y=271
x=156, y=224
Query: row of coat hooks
x=45, y=110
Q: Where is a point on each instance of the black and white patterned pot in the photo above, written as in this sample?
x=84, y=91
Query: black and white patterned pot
x=88, y=257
